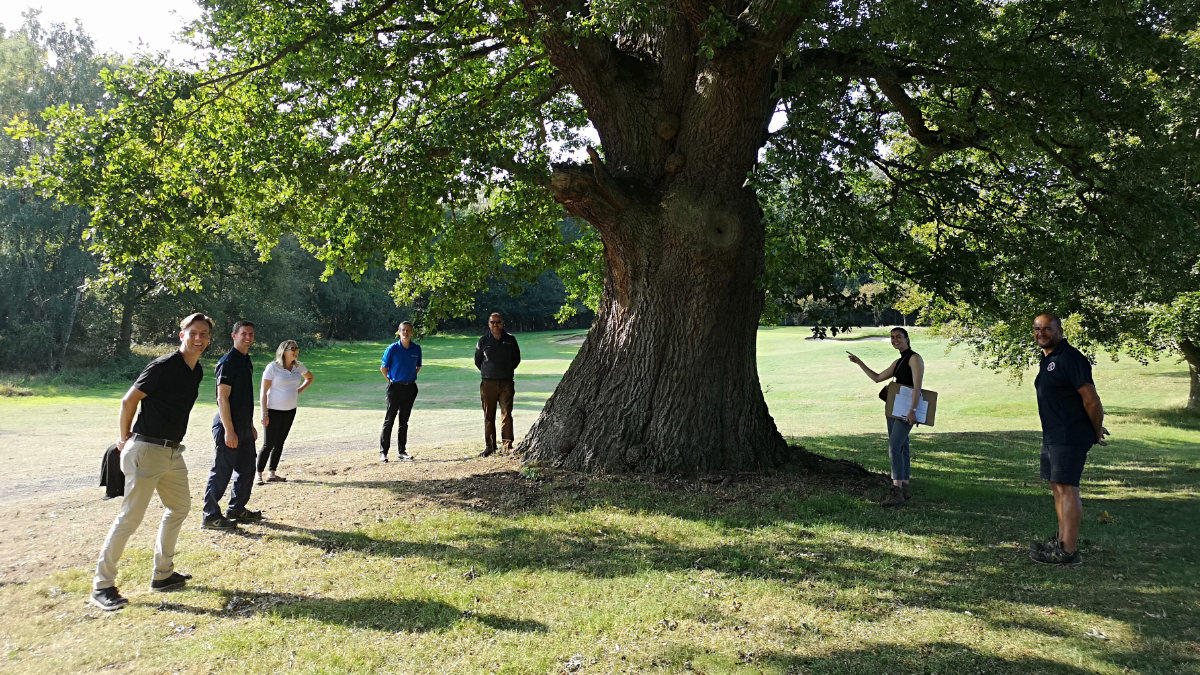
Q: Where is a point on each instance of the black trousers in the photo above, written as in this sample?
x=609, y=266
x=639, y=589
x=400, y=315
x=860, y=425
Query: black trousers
x=400, y=397
x=279, y=423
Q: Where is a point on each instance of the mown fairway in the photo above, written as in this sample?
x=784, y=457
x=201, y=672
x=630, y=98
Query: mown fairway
x=454, y=563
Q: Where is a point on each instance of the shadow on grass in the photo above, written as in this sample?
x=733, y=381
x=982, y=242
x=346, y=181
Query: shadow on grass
x=1179, y=418
x=959, y=546
x=929, y=657
x=374, y=613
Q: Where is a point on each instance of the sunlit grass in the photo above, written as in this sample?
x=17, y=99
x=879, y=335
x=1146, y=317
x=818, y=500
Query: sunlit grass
x=503, y=573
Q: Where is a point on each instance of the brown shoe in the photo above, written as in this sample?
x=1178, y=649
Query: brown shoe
x=507, y=447
x=895, y=497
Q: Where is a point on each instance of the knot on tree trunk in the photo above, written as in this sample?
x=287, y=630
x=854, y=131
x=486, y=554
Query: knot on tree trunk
x=588, y=191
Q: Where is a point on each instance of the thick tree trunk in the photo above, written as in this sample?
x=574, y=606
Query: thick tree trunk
x=1191, y=353
x=667, y=379
x=125, y=329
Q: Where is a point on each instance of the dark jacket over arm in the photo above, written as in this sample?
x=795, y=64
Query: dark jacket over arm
x=496, y=359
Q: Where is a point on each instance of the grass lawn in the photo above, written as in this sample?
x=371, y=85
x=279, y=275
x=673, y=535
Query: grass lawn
x=459, y=564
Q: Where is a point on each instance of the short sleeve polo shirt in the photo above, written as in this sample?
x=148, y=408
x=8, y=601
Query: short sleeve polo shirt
x=236, y=370
x=1064, y=419
x=402, y=363
x=171, y=388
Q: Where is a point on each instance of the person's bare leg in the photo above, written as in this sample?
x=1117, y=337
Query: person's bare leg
x=1070, y=514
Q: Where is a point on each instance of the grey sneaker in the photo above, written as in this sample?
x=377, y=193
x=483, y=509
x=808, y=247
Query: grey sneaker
x=895, y=497
x=1057, y=556
x=107, y=599
x=1046, y=544
x=218, y=523
x=248, y=516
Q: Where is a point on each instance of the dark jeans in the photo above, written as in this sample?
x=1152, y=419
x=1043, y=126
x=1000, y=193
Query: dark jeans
x=237, y=463
x=400, y=397
x=279, y=423
x=898, y=451
x=493, y=394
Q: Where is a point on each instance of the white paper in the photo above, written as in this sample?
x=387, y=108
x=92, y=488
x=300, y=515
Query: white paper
x=903, y=403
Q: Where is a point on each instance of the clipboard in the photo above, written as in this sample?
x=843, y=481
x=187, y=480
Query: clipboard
x=926, y=409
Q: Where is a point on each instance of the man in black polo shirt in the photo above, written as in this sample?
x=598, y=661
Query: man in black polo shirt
x=234, y=436
x=1072, y=421
x=152, y=459
x=497, y=355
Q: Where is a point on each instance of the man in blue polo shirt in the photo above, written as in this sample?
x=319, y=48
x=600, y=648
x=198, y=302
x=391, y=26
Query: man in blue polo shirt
x=234, y=436
x=400, y=364
x=1072, y=421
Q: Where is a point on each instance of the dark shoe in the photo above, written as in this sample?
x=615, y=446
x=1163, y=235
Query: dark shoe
x=508, y=447
x=895, y=497
x=276, y=479
x=248, y=516
x=907, y=490
x=107, y=599
x=1048, y=544
x=404, y=457
x=487, y=452
x=383, y=457
x=218, y=523
x=1057, y=556
x=172, y=583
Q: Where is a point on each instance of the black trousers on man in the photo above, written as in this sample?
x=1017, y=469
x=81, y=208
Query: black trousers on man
x=400, y=397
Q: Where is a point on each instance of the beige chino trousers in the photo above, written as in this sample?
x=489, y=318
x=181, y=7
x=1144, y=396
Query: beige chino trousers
x=148, y=468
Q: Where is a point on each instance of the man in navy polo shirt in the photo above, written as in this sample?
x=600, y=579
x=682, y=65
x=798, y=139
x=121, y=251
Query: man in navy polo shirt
x=1072, y=421
x=233, y=435
x=400, y=364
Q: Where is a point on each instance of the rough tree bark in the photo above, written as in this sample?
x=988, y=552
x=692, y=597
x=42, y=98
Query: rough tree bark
x=667, y=379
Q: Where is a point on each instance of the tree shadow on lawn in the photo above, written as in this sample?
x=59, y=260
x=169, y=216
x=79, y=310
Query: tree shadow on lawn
x=1179, y=418
x=415, y=616
x=929, y=657
x=960, y=546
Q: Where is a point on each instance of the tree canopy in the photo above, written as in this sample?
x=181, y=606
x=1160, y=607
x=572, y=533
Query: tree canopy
x=974, y=149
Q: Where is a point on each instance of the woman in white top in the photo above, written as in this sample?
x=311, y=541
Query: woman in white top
x=282, y=381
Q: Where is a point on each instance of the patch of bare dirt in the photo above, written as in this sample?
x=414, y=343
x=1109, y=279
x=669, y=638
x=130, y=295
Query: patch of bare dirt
x=64, y=529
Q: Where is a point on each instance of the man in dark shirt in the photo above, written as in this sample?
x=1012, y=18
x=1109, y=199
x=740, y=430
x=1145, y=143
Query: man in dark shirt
x=400, y=364
x=152, y=459
x=1072, y=421
x=234, y=436
x=497, y=356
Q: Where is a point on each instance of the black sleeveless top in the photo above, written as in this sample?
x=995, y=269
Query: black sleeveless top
x=903, y=372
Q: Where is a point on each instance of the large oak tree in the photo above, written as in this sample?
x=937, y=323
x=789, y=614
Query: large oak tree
x=953, y=144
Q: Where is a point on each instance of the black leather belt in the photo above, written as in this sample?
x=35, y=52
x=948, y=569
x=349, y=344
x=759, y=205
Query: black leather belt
x=155, y=441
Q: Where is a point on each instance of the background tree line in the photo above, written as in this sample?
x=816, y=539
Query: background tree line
x=53, y=314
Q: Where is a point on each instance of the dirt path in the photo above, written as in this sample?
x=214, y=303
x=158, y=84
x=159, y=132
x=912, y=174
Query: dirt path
x=59, y=523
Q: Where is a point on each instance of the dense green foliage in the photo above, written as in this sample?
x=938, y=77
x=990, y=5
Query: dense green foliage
x=965, y=147
x=43, y=265
x=54, y=313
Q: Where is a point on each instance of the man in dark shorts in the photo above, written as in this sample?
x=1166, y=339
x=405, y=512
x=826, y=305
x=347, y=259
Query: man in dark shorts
x=152, y=460
x=233, y=435
x=1072, y=421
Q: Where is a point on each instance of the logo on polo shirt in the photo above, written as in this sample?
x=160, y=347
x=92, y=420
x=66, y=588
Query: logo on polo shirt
x=1049, y=366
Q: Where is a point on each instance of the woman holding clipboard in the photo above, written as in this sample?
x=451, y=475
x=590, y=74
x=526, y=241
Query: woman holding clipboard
x=908, y=370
